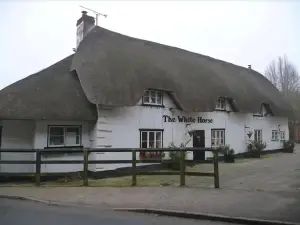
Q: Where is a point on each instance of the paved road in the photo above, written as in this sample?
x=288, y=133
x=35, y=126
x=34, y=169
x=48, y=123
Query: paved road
x=14, y=212
x=274, y=172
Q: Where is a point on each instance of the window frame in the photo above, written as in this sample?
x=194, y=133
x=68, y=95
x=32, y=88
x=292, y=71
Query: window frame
x=144, y=154
x=65, y=127
x=261, y=135
x=282, y=132
x=148, y=103
x=211, y=137
x=275, y=137
x=219, y=102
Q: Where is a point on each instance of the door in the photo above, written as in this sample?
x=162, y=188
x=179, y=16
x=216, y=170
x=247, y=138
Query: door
x=199, y=142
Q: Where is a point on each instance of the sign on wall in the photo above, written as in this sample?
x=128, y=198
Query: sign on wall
x=184, y=119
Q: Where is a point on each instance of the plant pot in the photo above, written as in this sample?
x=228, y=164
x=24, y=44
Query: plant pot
x=289, y=149
x=229, y=158
x=255, y=154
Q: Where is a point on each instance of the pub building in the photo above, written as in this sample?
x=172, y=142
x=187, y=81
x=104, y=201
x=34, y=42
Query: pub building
x=117, y=91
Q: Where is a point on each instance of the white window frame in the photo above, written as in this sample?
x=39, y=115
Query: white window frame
x=275, y=135
x=148, y=135
x=221, y=104
x=282, y=135
x=148, y=154
x=217, y=137
x=258, y=133
x=65, y=127
x=147, y=98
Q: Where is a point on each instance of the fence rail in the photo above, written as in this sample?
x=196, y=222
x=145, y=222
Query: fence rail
x=134, y=172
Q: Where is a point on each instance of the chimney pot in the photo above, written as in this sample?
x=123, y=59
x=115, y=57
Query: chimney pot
x=249, y=66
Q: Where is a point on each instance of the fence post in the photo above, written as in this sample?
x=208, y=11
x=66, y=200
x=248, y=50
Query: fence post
x=85, y=166
x=216, y=169
x=38, y=168
x=133, y=167
x=182, y=168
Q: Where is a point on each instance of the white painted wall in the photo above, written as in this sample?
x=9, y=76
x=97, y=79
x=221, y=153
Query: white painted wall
x=119, y=128
x=92, y=138
x=40, y=142
x=17, y=134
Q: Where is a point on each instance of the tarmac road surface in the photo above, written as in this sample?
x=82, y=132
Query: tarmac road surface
x=17, y=212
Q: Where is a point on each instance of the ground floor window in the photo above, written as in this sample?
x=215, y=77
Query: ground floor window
x=275, y=135
x=282, y=135
x=258, y=135
x=61, y=136
x=151, y=139
x=217, y=137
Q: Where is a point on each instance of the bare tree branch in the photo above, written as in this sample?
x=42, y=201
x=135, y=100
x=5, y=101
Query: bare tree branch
x=271, y=73
x=283, y=75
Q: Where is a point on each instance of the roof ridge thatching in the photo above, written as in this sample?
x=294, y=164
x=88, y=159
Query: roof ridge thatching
x=115, y=69
x=177, y=48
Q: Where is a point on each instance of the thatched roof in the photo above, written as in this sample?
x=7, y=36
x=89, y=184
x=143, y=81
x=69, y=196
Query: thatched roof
x=53, y=93
x=116, y=70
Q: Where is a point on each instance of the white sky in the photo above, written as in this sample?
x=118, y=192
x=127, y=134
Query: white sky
x=36, y=34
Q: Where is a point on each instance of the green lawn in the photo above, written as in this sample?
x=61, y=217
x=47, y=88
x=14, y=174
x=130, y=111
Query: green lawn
x=153, y=180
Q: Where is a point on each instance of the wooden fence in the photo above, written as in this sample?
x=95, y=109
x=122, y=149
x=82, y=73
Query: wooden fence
x=134, y=172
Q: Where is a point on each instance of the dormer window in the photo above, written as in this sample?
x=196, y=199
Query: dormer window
x=264, y=111
x=221, y=104
x=153, y=97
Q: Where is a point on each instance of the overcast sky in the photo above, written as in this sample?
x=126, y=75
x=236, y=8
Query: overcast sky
x=36, y=34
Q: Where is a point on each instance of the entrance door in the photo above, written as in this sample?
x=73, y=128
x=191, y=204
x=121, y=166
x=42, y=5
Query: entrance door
x=199, y=142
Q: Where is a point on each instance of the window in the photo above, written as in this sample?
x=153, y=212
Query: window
x=264, y=111
x=282, y=135
x=275, y=135
x=60, y=136
x=152, y=97
x=217, y=138
x=151, y=139
x=258, y=135
x=221, y=104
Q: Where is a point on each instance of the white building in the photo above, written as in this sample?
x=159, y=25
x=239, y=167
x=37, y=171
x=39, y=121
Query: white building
x=122, y=92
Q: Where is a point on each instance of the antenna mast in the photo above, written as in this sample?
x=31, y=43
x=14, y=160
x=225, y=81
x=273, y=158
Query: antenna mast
x=97, y=14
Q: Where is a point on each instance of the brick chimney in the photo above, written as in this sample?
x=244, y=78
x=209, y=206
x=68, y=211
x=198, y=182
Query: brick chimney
x=84, y=25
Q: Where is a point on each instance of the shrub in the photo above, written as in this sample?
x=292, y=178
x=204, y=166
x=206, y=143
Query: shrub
x=175, y=157
x=228, y=153
x=288, y=146
x=226, y=150
x=256, y=146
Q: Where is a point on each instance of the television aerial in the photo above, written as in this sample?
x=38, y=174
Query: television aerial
x=96, y=13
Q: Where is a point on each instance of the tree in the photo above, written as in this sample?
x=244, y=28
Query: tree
x=283, y=75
